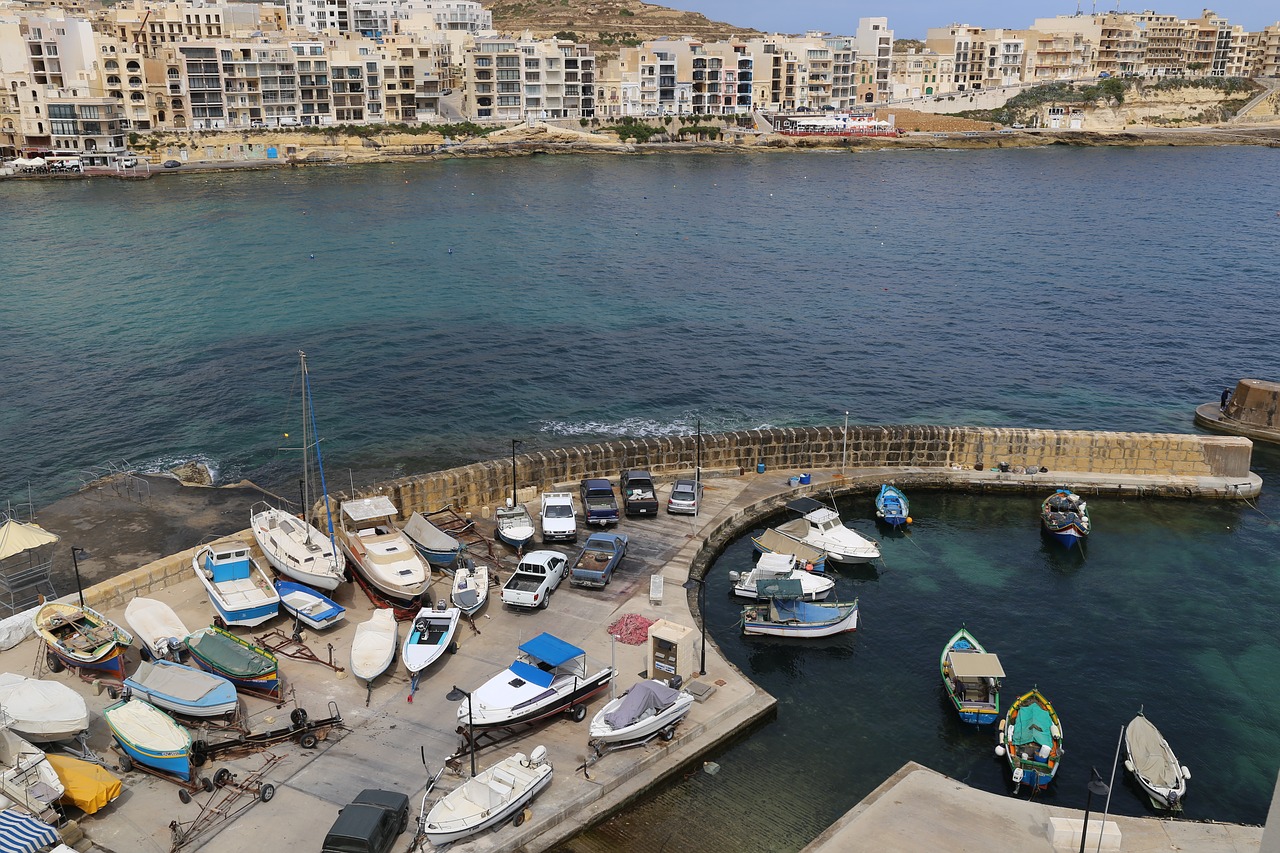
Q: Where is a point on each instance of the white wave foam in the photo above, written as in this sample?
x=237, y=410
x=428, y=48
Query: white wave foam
x=165, y=464
x=643, y=427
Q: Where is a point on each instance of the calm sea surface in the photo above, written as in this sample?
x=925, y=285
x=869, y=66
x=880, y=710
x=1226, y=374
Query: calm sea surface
x=447, y=308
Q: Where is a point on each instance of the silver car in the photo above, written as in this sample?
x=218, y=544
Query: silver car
x=685, y=497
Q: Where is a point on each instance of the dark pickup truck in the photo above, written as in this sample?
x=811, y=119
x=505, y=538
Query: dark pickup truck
x=639, y=497
x=599, y=505
x=371, y=823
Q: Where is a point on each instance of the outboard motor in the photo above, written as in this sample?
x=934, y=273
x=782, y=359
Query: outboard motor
x=675, y=681
x=538, y=757
x=174, y=652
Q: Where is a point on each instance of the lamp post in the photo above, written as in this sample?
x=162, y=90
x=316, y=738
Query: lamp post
x=844, y=450
x=515, y=442
x=701, y=584
x=457, y=694
x=76, y=553
x=697, y=473
x=1096, y=786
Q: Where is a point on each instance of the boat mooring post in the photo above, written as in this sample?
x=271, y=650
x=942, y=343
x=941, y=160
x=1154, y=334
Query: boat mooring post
x=457, y=694
x=1096, y=786
x=76, y=553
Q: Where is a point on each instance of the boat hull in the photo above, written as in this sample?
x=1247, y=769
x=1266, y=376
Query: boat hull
x=42, y=711
x=845, y=620
x=308, y=606
x=601, y=733
x=1148, y=754
x=406, y=594
x=329, y=565
x=470, y=589
x=969, y=711
x=243, y=664
x=82, y=637
x=156, y=754
x=218, y=699
x=430, y=636
x=1033, y=764
x=247, y=600
x=438, y=829
x=374, y=647
x=532, y=712
x=892, y=507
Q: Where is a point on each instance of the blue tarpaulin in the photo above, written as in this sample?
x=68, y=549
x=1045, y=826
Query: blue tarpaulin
x=22, y=834
x=551, y=650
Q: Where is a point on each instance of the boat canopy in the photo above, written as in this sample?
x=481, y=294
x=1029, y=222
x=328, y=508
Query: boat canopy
x=365, y=509
x=775, y=563
x=16, y=537
x=804, y=506
x=551, y=650
x=88, y=786
x=1033, y=725
x=779, y=588
x=20, y=833
x=970, y=665
x=644, y=697
x=531, y=673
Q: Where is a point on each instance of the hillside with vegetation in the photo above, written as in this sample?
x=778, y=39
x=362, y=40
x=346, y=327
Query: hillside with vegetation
x=607, y=23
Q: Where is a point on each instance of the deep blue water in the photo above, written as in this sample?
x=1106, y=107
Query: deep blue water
x=449, y=307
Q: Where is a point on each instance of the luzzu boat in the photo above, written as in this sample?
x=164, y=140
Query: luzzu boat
x=183, y=690
x=892, y=507
x=80, y=636
x=971, y=676
x=1030, y=737
x=245, y=665
x=1065, y=517
x=150, y=737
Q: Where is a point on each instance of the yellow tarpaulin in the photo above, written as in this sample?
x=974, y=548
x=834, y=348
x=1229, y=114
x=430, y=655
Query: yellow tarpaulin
x=89, y=786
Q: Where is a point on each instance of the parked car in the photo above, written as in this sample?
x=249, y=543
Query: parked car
x=370, y=824
x=559, y=521
x=1017, y=125
x=535, y=578
x=639, y=495
x=171, y=164
x=598, y=558
x=599, y=506
x=685, y=497
x=446, y=91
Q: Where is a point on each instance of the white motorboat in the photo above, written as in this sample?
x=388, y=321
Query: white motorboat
x=41, y=710
x=515, y=525
x=430, y=636
x=1151, y=761
x=470, y=588
x=380, y=552
x=435, y=545
x=293, y=547
x=549, y=677
x=157, y=627
x=492, y=796
x=374, y=646
x=819, y=525
x=27, y=780
x=774, y=566
x=649, y=708
x=238, y=588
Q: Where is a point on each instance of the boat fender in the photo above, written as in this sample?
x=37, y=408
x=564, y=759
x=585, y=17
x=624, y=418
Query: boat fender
x=1000, y=750
x=1055, y=732
x=1186, y=773
x=1003, y=723
x=1128, y=765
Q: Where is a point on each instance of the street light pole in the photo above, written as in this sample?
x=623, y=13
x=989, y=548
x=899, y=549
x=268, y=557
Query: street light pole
x=457, y=694
x=844, y=451
x=514, y=443
x=1096, y=786
x=702, y=613
x=75, y=562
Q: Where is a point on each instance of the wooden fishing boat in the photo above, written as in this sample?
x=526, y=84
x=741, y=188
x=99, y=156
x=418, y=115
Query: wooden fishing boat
x=293, y=547
x=971, y=676
x=549, y=677
x=245, y=665
x=782, y=611
x=1065, y=517
x=42, y=711
x=82, y=637
x=308, y=606
x=157, y=627
x=774, y=541
x=374, y=646
x=515, y=525
x=1150, y=759
x=820, y=526
x=775, y=566
x=1030, y=737
x=237, y=586
x=470, y=588
x=649, y=708
x=182, y=690
x=380, y=552
x=892, y=507
x=429, y=637
x=436, y=547
x=150, y=737
x=488, y=799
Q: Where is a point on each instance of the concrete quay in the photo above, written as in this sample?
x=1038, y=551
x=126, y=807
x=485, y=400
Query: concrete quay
x=382, y=743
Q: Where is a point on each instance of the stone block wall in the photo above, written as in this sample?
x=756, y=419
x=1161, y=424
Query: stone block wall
x=799, y=449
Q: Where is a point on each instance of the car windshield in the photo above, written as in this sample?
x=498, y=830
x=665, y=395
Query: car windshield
x=682, y=494
x=559, y=511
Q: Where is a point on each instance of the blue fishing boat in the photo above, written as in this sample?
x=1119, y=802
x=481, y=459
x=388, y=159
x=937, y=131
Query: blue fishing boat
x=1065, y=517
x=239, y=589
x=435, y=545
x=81, y=637
x=308, y=606
x=892, y=507
x=183, y=690
x=150, y=737
x=1030, y=738
x=245, y=665
x=971, y=676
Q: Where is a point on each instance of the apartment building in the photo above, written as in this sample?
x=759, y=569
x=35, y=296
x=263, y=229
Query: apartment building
x=1213, y=47
x=873, y=41
x=967, y=47
x=843, y=72
x=1164, y=53
x=1264, y=52
x=776, y=71
x=526, y=78
x=920, y=74
x=452, y=15
x=1119, y=42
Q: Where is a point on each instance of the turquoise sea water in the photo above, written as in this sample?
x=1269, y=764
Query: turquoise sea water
x=449, y=307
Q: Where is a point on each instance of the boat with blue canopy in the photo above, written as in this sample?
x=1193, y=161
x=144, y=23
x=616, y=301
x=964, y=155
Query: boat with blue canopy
x=782, y=611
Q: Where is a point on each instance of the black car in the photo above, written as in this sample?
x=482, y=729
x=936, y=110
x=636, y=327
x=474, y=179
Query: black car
x=370, y=824
x=171, y=164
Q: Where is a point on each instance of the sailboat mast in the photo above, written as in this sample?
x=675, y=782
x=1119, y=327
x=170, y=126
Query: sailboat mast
x=306, y=445
x=310, y=417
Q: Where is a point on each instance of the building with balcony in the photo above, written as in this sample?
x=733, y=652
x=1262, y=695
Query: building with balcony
x=921, y=74
x=967, y=47
x=873, y=42
x=527, y=78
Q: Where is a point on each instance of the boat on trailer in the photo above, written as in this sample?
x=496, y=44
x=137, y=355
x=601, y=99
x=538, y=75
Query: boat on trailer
x=380, y=551
x=515, y=525
x=42, y=711
x=374, y=647
x=27, y=779
x=308, y=606
x=183, y=690
x=1150, y=759
x=782, y=611
x=650, y=708
x=150, y=737
x=491, y=797
x=430, y=636
x=470, y=588
x=245, y=665
x=435, y=545
x=971, y=676
x=1030, y=738
x=237, y=586
x=549, y=677
x=157, y=627
x=81, y=637
x=892, y=507
x=1065, y=516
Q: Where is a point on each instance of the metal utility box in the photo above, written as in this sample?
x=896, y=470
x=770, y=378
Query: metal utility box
x=671, y=650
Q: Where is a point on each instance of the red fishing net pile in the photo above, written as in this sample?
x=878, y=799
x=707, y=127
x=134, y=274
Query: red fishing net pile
x=632, y=629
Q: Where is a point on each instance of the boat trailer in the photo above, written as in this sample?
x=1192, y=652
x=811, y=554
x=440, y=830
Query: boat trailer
x=306, y=731
x=600, y=750
x=226, y=806
x=280, y=643
x=186, y=788
x=497, y=735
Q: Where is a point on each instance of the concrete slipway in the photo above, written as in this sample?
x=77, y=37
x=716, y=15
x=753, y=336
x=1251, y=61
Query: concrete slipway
x=381, y=744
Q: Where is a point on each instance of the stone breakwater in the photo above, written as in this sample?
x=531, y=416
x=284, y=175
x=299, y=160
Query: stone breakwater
x=1171, y=464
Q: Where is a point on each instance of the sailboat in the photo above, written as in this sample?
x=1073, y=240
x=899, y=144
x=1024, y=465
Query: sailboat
x=291, y=545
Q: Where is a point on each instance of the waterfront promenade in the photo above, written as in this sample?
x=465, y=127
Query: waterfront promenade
x=382, y=743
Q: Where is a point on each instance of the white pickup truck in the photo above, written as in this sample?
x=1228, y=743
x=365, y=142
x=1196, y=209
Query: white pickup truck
x=534, y=579
x=559, y=521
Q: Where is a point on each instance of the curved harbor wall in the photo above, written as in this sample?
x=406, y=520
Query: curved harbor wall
x=1164, y=459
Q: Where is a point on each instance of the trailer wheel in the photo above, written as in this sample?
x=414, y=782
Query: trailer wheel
x=221, y=778
x=298, y=716
x=126, y=764
x=519, y=818
x=667, y=734
x=577, y=713
x=144, y=653
x=206, y=785
x=113, y=693
x=452, y=648
x=308, y=741
x=184, y=795
x=199, y=752
x=55, y=663
x=267, y=792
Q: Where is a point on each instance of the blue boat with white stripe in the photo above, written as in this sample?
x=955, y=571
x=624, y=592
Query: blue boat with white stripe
x=150, y=737
x=892, y=507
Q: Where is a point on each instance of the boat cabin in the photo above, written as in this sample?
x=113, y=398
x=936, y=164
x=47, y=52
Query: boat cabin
x=820, y=517
x=975, y=676
x=369, y=517
x=227, y=561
